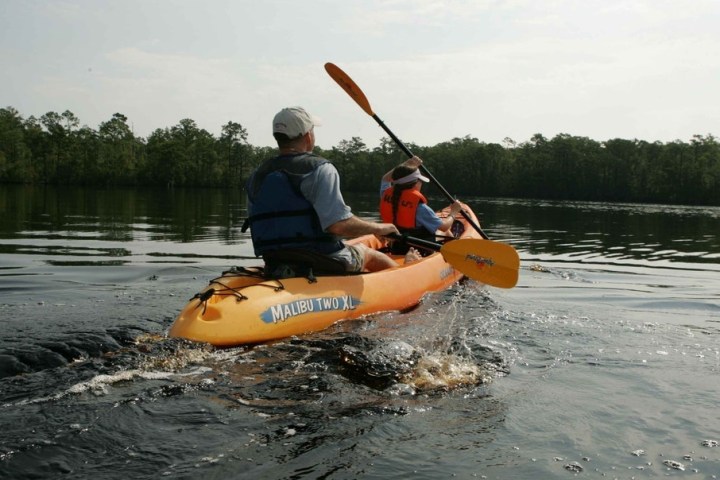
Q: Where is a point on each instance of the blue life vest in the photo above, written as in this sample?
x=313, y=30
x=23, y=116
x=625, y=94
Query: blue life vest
x=280, y=216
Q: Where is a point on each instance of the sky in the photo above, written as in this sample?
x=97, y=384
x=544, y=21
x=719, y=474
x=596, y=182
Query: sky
x=432, y=70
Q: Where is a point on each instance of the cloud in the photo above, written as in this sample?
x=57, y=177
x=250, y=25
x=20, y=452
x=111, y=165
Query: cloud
x=432, y=69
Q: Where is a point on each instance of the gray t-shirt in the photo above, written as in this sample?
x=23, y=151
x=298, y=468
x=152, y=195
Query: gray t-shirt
x=322, y=189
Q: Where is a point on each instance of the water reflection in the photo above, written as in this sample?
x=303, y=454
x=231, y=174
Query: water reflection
x=151, y=225
x=609, y=231
x=138, y=225
x=178, y=215
x=595, y=232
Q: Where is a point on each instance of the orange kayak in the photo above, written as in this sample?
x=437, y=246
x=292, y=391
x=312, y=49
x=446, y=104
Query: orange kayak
x=242, y=307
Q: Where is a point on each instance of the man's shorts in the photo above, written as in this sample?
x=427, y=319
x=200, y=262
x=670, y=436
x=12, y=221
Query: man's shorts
x=352, y=257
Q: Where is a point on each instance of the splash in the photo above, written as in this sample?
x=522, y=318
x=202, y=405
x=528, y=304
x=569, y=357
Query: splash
x=445, y=372
x=100, y=383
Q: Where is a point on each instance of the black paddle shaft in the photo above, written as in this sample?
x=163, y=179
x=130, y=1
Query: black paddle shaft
x=429, y=175
x=417, y=242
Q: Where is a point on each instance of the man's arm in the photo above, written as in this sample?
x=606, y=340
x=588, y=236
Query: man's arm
x=322, y=189
x=354, y=226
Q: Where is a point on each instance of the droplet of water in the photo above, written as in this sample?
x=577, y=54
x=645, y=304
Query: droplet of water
x=574, y=467
x=674, y=465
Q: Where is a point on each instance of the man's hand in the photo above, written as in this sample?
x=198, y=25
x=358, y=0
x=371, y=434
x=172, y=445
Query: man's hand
x=385, y=229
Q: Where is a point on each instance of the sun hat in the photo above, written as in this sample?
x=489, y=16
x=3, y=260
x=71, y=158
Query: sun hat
x=294, y=122
x=413, y=177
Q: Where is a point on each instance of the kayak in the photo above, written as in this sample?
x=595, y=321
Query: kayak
x=243, y=307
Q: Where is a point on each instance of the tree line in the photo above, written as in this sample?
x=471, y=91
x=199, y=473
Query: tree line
x=55, y=149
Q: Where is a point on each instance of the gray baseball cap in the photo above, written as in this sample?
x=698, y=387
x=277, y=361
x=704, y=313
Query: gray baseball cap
x=294, y=122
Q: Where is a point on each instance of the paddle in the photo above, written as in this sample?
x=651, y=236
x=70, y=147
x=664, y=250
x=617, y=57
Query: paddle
x=491, y=263
x=347, y=84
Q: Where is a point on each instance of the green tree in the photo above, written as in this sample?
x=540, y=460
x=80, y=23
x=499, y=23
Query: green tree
x=183, y=155
x=531, y=176
x=54, y=149
x=351, y=159
x=118, y=152
x=235, y=150
x=15, y=155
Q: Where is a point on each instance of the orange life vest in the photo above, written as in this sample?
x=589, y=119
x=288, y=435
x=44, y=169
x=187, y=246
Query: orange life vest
x=407, y=206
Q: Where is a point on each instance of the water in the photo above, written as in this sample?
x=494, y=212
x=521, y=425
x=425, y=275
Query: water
x=602, y=363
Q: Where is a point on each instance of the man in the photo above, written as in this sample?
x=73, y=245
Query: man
x=294, y=202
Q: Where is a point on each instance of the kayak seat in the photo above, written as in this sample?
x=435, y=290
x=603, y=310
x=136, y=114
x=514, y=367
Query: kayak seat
x=290, y=263
x=457, y=228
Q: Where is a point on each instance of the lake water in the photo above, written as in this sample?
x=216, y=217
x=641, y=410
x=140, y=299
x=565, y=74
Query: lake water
x=603, y=362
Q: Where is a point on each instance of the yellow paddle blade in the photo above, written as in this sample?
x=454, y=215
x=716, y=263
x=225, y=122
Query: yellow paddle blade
x=489, y=262
x=347, y=84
